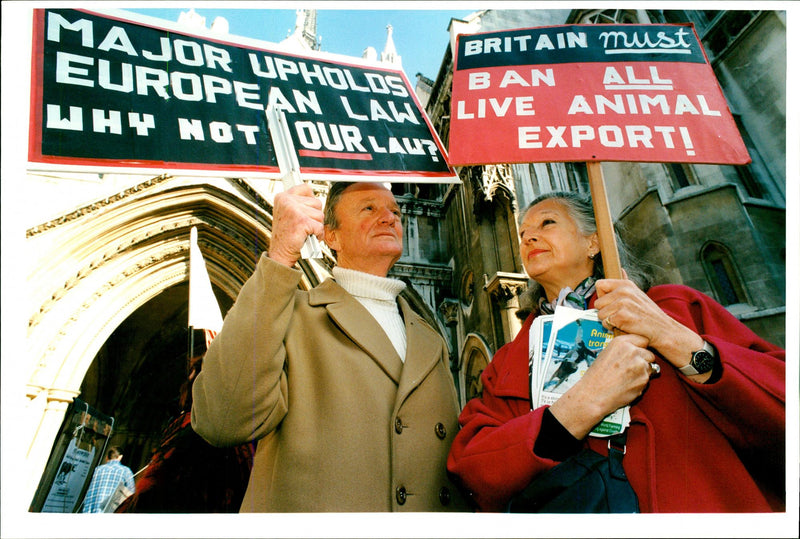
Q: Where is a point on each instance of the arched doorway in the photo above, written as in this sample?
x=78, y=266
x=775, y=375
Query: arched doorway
x=137, y=375
x=110, y=299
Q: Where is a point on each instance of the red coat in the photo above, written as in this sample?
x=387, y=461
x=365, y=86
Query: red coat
x=691, y=448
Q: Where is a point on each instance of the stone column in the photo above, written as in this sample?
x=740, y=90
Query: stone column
x=43, y=415
x=504, y=289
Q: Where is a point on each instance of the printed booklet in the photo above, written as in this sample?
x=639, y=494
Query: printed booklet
x=562, y=347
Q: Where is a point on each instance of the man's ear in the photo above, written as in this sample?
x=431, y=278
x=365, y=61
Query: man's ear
x=331, y=238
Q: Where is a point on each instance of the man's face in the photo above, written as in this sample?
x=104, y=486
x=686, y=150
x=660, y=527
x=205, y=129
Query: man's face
x=370, y=233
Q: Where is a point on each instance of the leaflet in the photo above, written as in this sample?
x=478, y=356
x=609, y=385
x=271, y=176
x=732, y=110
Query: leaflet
x=562, y=348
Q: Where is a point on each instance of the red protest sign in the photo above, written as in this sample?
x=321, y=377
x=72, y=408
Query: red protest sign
x=589, y=93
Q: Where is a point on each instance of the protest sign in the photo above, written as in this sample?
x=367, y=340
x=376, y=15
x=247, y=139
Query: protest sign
x=589, y=93
x=122, y=92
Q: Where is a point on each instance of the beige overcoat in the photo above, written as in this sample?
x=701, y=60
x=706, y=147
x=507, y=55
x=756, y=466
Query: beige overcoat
x=342, y=423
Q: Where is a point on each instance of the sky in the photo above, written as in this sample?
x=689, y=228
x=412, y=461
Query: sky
x=420, y=35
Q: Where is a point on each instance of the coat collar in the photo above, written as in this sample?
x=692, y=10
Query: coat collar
x=355, y=321
x=423, y=343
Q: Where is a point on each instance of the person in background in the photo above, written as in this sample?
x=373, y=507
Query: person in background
x=707, y=434
x=346, y=389
x=187, y=475
x=105, y=480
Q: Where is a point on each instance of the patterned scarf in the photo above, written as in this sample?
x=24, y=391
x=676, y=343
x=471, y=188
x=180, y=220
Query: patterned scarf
x=577, y=299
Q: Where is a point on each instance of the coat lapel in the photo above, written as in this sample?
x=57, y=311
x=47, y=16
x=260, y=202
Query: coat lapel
x=355, y=321
x=424, y=347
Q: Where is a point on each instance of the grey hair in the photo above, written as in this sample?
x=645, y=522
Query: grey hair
x=578, y=206
x=581, y=209
x=334, y=196
x=335, y=193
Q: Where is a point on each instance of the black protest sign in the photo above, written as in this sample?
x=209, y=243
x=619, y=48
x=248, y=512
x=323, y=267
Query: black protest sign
x=112, y=93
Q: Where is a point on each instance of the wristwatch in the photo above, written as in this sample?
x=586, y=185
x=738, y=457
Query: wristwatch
x=702, y=361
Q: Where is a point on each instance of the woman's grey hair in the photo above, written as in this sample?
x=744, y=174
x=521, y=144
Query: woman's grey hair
x=580, y=208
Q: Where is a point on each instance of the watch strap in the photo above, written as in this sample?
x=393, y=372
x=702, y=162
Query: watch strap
x=690, y=370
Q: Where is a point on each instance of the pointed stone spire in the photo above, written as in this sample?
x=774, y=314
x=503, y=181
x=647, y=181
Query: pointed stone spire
x=304, y=36
x=389, y=54
x=310, y=29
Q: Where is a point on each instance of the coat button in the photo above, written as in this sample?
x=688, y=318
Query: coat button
x=444, y=496
x=398, y=425
x=441, y=431
x=401, y=494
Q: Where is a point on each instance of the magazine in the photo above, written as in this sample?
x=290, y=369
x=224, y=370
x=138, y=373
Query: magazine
x=562, y=347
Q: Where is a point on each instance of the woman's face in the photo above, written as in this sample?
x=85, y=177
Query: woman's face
x=554, y=252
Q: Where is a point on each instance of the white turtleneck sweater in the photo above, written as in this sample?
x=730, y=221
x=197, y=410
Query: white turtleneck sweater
x=379, y=296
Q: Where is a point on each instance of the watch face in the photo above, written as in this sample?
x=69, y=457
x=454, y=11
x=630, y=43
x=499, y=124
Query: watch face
x=702, y=361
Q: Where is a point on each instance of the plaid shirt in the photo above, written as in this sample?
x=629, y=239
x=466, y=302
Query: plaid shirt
x=104, y=481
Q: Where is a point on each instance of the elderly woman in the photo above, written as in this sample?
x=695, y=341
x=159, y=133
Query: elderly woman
x=706, y=435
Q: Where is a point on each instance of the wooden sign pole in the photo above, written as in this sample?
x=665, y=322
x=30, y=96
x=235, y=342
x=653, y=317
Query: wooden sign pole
x=605, y=226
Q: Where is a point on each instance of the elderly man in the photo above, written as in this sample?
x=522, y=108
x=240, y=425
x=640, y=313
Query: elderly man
x=346, y=389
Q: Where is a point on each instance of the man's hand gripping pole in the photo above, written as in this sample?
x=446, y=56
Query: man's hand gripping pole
x=287, y=162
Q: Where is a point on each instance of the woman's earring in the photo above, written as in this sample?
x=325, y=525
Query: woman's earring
x=592, y=255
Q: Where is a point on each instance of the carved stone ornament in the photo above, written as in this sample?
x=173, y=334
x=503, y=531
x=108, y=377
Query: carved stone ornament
x=449, y=309
x=495, y=178
x=505, y=287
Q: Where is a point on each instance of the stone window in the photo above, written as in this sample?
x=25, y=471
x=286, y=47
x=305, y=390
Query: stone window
x=722, y=274
x=534, y=179
x=467, y=289
x=680, y=175
x=750, y=175
x=724, y=28
x=476, y=363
